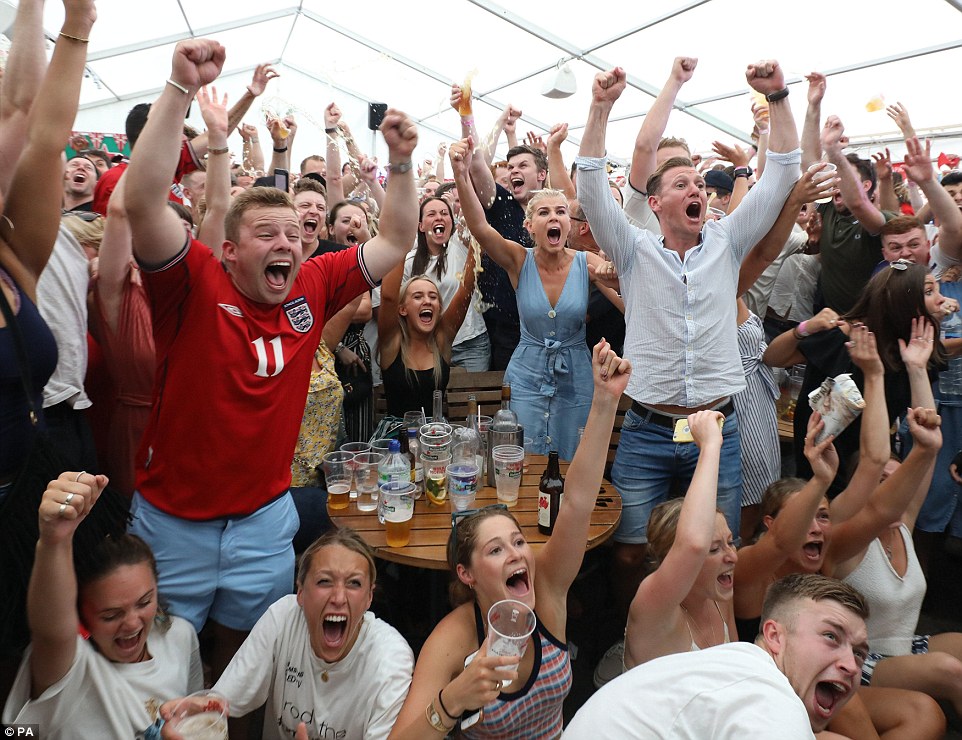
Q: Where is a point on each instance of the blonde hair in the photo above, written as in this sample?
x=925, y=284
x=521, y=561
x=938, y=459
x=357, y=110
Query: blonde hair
x=539, y=196
x=432, y=340
x=88, y=233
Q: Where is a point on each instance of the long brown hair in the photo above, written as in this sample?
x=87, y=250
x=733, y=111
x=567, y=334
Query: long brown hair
x=461, y=543
x=422, y=254
x=887, y=305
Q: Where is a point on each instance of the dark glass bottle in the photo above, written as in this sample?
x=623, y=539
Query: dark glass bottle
x=550, y=493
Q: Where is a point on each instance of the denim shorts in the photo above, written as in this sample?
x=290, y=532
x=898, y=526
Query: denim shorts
x=648, y=462
x=473, y=354
x=228, y=569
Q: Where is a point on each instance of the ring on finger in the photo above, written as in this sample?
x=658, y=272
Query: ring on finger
x=63, y=508
x=69, y=498
x=81, y=473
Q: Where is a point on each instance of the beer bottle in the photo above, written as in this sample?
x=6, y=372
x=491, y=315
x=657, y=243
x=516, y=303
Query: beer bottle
x=550, y=493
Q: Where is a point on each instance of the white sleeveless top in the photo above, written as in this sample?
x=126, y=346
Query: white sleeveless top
x=894, y=601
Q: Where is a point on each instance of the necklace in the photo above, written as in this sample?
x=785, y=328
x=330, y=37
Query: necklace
x=692, y=621
x=888, y=547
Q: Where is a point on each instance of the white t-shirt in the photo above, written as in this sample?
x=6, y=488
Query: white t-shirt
x=62, y=300
x=473, y=325
x=360, y=699
x=100, y=699
x=731, y=691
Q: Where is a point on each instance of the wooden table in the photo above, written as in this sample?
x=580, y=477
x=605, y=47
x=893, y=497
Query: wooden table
x=431, y=524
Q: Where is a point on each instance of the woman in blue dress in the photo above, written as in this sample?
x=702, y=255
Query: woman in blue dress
x=550, y=370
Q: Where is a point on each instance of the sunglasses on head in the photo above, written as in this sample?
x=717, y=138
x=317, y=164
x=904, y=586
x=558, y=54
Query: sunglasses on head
x=457, y=516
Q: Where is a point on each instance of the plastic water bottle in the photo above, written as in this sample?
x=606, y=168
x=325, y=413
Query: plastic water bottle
x=395, y=467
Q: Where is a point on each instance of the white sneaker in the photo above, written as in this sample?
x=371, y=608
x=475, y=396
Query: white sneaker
x=611, y=665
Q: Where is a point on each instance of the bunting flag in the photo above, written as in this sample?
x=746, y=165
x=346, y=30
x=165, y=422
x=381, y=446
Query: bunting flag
x=948, y=160
x=107, y=142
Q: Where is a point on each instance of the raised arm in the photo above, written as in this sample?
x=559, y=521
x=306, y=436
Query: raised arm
x=893, y=497
x=113, y=259
x=334, y=179
x=556, y=163
x=217, y=190
x=22, y=78
x=367, y=168
x=481, y=178
x=52, y=595
x=874, y=447
x=770, y=247
x=853, y=194
x=253, y=155
x=739, y=158
x=32, y=209
x=918, y=166
x=281, y=131
x=758, y=563
x=510, y=255
x=885, y=187
x=561, y=557
x=458, y=308
x=653, y=125
x=157, y=232
x=811, y=128
x=398, y=223
x=655, y=609
x=388, y=323
x=442, y=155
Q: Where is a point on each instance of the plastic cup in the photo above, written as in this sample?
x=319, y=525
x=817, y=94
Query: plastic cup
x=434, y=439
x=355, y=448
x=338, y=474
x=510, y=625
x=395, y=510
x=463, y=485
x=201, y=716
x=529, y=450
x=435, y=476
x=828, y=169
x=365, y=478
x=508, y=468
x=381, y=446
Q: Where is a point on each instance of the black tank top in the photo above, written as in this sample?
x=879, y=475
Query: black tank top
x=404, y=393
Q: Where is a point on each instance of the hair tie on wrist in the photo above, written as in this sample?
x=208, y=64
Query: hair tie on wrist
x=280, y=150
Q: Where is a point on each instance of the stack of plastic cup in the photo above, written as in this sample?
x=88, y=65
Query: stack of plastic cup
x=338, y=474
x=508, y=467
x=366, y=479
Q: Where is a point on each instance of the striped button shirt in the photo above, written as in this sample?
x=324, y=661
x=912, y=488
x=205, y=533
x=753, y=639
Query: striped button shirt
x=680, y=311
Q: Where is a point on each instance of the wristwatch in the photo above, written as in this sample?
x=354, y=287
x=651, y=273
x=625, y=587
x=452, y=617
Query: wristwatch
x=434, y=718
x=744, y=171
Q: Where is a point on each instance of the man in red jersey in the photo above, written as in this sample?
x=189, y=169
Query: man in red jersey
x=235, y=341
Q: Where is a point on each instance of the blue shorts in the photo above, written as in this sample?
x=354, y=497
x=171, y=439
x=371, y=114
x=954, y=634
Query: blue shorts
x=230, y=569
x=648, y=461
x=920, y=646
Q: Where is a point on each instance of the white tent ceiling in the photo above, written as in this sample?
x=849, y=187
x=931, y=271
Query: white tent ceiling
x=408, y=54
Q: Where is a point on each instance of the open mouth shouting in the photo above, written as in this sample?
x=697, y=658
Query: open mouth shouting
x=828, y=696
x=517, y=183
x=812, y=551
x=309, y=228
x=554, y=235
x=726, y=580
x=130, y=646
x=693, y=211
x=277, y=273
x=351, y=239
x=426, y=316
x=335, y=630
x=518, y=584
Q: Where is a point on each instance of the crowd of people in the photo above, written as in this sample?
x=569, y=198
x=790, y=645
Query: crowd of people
x=185, y=337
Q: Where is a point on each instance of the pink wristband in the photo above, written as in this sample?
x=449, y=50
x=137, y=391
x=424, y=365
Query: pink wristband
x=801, y=329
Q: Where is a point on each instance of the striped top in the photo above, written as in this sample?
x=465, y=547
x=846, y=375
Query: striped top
x=680, y=309
x=535, y=710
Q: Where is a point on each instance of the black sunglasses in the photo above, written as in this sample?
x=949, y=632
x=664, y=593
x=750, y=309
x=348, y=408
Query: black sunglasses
x=457, y=516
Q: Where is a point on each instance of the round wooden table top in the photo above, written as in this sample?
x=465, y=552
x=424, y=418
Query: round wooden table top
x=431, y=523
